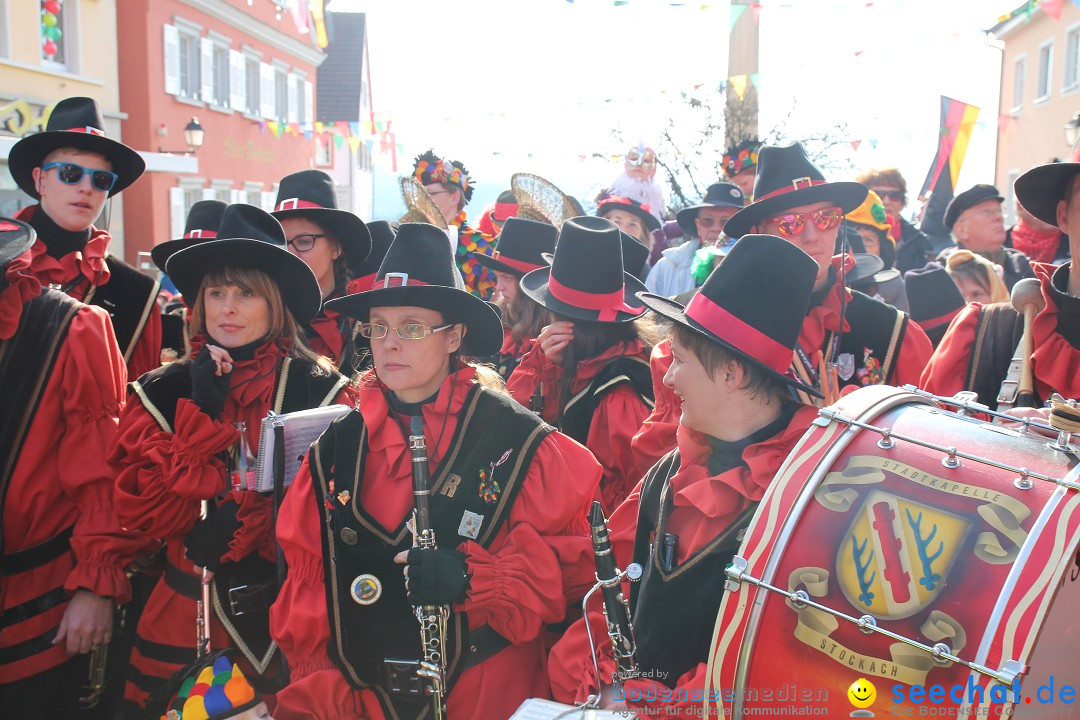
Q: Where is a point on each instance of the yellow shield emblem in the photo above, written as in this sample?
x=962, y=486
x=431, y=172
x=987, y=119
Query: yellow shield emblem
x=897, y=554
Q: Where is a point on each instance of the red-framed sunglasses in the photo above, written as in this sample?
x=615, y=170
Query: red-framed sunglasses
x=790, y=225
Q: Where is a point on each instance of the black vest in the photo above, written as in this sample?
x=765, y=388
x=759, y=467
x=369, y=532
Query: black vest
x=129, y=297
x=997, y=334
x=296, y=387
x=376, y=644
x=578, y=411
x=674, y=612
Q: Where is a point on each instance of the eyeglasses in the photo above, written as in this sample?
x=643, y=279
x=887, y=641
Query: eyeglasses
x=305, y=242
x=72, y=174
x=408, y=331
x=708, y=222
x=792, y=224
x=896, y=195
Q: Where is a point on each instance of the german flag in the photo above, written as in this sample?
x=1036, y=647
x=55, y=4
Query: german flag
x=957, y=123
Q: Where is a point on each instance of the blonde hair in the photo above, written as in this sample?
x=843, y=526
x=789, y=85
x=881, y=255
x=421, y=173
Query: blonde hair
x=965, y=263
x=283, y=325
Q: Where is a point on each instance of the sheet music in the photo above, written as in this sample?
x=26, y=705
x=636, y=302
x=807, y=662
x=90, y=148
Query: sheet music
x=302, y=428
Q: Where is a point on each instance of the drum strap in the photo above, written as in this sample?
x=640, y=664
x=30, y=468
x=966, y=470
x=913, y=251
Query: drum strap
x=1010, y=386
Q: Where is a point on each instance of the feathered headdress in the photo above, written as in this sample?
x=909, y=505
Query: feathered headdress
x=429, y=168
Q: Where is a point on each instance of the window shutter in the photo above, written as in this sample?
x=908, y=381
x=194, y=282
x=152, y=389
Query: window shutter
x=237, y=81
x=206, y=71
x=236, y=196
x=268, y=199
x=209, y=194
x=266, y=90
x=294, y=102
x=309, y=105
x=171, y=47
x=177, y=216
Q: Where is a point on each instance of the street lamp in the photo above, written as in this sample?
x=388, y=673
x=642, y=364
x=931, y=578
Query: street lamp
x=193, y=136
x=1072, y=130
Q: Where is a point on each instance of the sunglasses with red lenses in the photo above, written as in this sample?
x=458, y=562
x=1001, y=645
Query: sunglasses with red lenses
x=791, y=225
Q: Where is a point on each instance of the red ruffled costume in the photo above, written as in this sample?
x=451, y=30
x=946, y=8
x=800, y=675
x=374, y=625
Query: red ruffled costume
x=90, y=264
x=1055, y=362
x=615, y=422
x=656, y=437
x=162, y=479
x=702, y=507
x=516, y=586
x=61, y=478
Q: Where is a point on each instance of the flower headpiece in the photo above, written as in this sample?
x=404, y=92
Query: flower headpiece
x=742, y=156
x=430, y=168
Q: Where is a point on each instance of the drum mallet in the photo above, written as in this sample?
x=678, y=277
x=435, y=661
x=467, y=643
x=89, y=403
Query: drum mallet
x=1027, y=299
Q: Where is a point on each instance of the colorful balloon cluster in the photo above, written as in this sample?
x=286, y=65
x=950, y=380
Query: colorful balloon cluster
x=50, y=27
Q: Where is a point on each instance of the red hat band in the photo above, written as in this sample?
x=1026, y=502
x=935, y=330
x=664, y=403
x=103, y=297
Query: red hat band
x=607, y=304
x=796, y=184
x=87, y=129
x=297, y=204
x=208, y=234
x=394, y=279
x=738, y=333
x=519, y=265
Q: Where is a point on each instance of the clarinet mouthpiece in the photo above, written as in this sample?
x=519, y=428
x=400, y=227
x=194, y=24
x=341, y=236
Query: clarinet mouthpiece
x=596, y=515
x=416, y=425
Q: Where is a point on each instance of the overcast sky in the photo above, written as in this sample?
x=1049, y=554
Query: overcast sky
x=533, y=85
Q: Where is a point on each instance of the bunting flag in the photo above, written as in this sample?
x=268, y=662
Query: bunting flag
x=275, y=128
x=738, y=84
x=318, y=16
x=855, y=144
x=957, y=122
x=1052, y=8
x=755, y=80
x=354, y=142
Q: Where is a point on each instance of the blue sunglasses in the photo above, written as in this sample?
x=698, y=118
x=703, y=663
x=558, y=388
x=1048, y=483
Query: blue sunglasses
x=72, y=174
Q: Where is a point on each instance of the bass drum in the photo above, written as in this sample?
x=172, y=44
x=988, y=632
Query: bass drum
x=909, y=546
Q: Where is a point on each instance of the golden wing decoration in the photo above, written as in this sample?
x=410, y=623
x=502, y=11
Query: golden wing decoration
x=421, y=207
x=538, y=199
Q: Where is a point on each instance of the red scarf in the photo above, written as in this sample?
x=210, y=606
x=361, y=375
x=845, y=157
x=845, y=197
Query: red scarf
x=88, y=262
x=1038, y=245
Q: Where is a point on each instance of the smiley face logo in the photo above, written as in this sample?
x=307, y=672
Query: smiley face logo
x=862, y=693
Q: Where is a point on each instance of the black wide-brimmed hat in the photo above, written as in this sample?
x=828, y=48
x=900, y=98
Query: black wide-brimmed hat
x=520, y=247
x=971, y=197
x=201, y=225
x=634, y=255
x=586, y=280
x=719, y=195
x=1041, y=188
x=249, y=237
x=310, y=194
x=75, y=122
x=786, y=179
x=419, y=270
x=615, y=202
x=382, y=234
x=16, y=237
x=756, y=321
x=933, y=299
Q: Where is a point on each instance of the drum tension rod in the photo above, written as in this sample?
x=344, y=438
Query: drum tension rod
x=941, y=653
x=952, y=454
x=964, y=401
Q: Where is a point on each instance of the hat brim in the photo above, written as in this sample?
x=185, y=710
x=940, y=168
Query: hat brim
x=161, y=252
x=650, y=220
x=348, y=229
x=1041, y=188
x=677, y=313
x=299, y=288
x=15, y=242
x=498, y=266
x=31, y=151
x=846, y=195
x=688, y=215
x=535, y=285
x=484, y=333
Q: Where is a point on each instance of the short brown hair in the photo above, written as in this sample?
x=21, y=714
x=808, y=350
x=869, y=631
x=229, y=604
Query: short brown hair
x=884, y=176
x=713, y=356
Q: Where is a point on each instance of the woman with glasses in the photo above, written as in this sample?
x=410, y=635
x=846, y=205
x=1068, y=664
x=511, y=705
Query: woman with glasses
x=850, y=338
x=507, y=506
x=189, y=437
x=913, y=247
x=590, y=366
x=334, y=244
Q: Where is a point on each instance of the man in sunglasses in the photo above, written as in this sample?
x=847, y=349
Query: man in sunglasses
x=72, y=169
x=848, y=339
x=913, y=247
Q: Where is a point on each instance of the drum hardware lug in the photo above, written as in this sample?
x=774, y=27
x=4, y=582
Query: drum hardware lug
x=1009, y=671
x=941, y=652
x=886, y=441
x=966, y=403
x=1024, y=481
x=799, y=599
x=867, y=623
x=951, y=461
x=735, y=572
x=1025, y=426
x=821, y=422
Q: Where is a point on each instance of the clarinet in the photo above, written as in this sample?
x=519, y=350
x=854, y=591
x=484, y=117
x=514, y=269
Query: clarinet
x=616, y=609
x=536, y=401
x=432, y=618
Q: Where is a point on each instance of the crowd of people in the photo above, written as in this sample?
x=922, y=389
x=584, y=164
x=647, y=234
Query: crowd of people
x=662, y=364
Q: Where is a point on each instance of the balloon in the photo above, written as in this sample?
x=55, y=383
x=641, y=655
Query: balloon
x=51, y=6
x=50, y=48
x=49, y=19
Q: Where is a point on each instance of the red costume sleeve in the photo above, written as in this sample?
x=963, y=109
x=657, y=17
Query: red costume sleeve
x=947, y=370
x=656, y=437
x=914, y=354
x=615, y=422
x=162, y=475
x=146, y=354
x=533, y=369
x=93, y=376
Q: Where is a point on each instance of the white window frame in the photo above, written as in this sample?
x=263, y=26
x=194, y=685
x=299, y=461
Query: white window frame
x=1019, y=81
x=219, y=97
x=252, y=193
x=187, y=30
x=1044, y=88
x=266, y=90
x=222, y=190
x=251, y=108
x=1010, y=198
x=192, y=190
x=281, y=100
x=5, y=30
x=1071, y=31
x=70, y=37
x=324, y=154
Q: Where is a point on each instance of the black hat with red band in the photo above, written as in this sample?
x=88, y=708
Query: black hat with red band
x=419, y=271
x=737, y=311
x=520, y=247
x=310, y=194
x=934, y=299
x=202, y=223
x=382, y=234
x=787, y=179
x=76, y=123
x=586, y=280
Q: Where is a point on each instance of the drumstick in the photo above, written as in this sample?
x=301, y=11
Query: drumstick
x=827, y=380
x=1027, y=299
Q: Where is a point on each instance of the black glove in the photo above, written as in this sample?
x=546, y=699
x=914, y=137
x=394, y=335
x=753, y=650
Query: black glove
x=437, y=577
x=208, y=391
x=209, y=539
